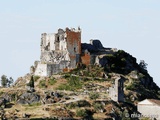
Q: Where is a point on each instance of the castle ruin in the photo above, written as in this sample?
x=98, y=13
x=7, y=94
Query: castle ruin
x=59, y=51
x=63, y=50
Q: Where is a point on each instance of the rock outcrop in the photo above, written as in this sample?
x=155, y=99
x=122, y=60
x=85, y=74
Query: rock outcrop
x=28, y=98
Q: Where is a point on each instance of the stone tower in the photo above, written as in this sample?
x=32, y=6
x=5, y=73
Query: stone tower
x=116, y=92
x=59, y=51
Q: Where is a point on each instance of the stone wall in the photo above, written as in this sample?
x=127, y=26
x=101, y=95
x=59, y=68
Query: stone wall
x=116, y=92
x=73, y=38
x=86, y=59
x=62, y=51
x=41, y=69
x=59, y=51
x=113, y=94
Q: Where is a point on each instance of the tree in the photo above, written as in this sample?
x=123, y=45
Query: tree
x=10, y=81
x=31, y=82
x=143, y=65
x=4, y=81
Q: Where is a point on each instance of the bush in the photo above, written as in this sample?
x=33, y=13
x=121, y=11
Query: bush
x=121, y=52
x=132, y=86
x=113, y=66
x=73, y=84
x=81, y=113
x=52, y=81
x=1, y=92
x=109, y=55
x=31, y=82
x=64, y=87
x=13, y=97
x=94, y=96
x=35, y=104
x=72, y=105
x=36, y=78
x=123, y=59
x=42, y=84
x=66, y=76
x=98, y=106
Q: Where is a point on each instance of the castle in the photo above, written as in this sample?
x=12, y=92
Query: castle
x=63, y=50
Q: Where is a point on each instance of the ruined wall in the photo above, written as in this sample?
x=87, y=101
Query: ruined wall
x=56, y=68
x=41, y=70
x=47, y=42
x=59, y=51
x=51, y=39
x=113, y=93
x=86, y=58
x=116, y=92
x=73, y=39
x=54, y=47
x=49, y=69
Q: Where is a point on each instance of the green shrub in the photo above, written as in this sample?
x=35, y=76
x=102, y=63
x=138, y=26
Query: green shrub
x=93, y=96
x=35, y=104
x=121, y=52
x=64, y=87
x=72, y=105
x=67, y=76
x=109, y=55
x=131, y=86
x=36, y=78
x=123, y=59
x=42, y=84
x=98, y=106
x=113, y=66
x=13, y=97
x=141, y=75
x=81, y=113
x=1, y=92
x=31, y=82
x=73, y=84
x=52, y=81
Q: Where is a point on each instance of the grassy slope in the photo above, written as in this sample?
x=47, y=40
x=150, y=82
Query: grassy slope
x=136, y=89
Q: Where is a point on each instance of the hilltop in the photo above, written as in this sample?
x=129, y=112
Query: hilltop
x=75, y=80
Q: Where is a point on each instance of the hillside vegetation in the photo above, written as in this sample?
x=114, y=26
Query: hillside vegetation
x=80, y=93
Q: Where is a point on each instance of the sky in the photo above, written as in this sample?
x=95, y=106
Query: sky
x=131, y=25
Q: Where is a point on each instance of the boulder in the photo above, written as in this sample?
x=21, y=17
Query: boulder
x=3, y=102
x=94, y=46
x=28, y=98
x=97, y=44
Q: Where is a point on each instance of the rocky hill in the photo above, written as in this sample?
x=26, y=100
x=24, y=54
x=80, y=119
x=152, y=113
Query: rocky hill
x=80, y=93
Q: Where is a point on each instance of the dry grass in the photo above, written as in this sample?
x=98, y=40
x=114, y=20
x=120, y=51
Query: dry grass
x=99, y=116
x=19, y=110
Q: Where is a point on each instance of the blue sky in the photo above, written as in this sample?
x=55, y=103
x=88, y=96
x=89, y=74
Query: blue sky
x=133, y=26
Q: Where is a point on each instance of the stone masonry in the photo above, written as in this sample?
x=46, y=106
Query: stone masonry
x=62, y=51
x=116, y=92
x=59, y=51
